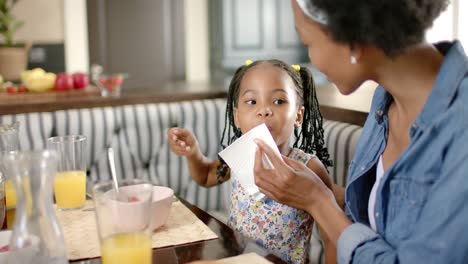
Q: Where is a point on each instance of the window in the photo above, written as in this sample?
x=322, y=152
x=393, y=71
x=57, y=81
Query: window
x=449, y=25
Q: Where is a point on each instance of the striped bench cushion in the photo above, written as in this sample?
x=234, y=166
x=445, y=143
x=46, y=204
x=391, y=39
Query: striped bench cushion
x=143, y=140
x=206, y=120
x=341, y=140
x=144, y=151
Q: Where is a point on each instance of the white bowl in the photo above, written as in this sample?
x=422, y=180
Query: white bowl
x=161, y=206
x=128, y=215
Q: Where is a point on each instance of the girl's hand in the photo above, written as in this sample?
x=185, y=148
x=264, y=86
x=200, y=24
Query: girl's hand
x=290, y=182
x=182, y=141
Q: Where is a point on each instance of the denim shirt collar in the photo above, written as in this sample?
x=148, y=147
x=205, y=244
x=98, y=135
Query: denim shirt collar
x=452, y=71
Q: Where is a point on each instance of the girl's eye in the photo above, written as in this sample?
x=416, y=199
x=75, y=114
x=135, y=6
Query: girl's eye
x=279, y=101
x=250, y=102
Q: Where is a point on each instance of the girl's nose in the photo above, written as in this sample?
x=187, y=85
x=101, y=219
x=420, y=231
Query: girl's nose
x=264, y=112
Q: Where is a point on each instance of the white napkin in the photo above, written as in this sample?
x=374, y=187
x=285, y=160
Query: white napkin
x=240, y=157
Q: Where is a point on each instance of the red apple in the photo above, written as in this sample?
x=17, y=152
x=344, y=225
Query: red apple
x=21, y=89
x=80, y=80
x=11, y=89
x=63, y=82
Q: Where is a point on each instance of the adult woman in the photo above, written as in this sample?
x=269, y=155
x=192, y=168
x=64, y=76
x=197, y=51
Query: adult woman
x=406, y=193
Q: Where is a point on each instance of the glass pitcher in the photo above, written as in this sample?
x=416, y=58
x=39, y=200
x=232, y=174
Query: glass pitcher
x=37, y=236
x=9, y=141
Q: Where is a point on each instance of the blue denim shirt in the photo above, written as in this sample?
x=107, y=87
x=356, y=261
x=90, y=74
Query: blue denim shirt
x=421, y=208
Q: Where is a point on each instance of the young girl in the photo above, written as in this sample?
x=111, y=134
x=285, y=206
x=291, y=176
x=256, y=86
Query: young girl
x=283, y=98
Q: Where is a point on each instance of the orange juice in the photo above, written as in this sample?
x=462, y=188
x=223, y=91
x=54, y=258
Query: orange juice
x=10, y=218
x=70, y=189
x=10, y=194
x=10, y=201
x=126, y=248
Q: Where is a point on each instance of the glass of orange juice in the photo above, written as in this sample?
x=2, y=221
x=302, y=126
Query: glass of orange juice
x=70, y=180
x=124, y=221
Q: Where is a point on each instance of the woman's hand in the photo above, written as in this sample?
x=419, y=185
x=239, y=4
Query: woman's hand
x=182, y=141
x=290, y=182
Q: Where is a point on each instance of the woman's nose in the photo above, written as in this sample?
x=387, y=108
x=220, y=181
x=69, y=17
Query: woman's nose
x=264, y=112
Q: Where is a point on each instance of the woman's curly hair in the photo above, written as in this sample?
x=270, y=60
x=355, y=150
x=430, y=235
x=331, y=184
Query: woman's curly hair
x=391, y=25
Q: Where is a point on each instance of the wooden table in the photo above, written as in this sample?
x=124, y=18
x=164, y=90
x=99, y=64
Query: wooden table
x=228, y=244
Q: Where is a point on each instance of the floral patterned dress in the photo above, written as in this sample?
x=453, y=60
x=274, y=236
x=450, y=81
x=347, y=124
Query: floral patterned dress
x=280, y=229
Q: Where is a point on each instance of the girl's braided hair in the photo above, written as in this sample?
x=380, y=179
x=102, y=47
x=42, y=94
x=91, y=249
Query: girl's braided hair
x=310, y=137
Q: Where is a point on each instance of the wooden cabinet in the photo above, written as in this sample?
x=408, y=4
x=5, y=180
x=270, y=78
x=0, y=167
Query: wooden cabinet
x=142, y=38
x=252, y=29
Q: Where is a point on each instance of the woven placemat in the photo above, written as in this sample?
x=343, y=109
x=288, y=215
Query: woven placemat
x=80, y=230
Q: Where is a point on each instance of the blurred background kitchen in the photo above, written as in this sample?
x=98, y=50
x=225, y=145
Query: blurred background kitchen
x=156, y=41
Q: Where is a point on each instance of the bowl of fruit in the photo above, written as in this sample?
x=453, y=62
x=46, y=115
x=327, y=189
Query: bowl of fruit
x=111, y=84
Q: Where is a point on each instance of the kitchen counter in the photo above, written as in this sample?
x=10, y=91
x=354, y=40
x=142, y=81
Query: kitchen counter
x=170, y=92
x=351, y=108
x=335, y=106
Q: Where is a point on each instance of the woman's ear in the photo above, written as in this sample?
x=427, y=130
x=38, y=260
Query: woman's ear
x=299, y=117
x=355, y=53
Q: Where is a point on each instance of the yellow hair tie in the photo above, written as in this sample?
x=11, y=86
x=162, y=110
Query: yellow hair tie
x=248, y=62
x=296, y=67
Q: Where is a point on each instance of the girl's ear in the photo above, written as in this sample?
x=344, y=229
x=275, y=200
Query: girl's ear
x=299, y=117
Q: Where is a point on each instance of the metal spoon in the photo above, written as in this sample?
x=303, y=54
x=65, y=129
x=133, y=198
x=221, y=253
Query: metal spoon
x=110, y=156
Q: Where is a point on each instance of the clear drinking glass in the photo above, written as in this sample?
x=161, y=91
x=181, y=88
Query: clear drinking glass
x=9, y=141
x=110, y=85
x=37, y=236
x=70, y=181
x=124, y=221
